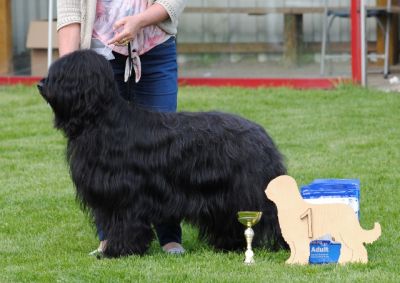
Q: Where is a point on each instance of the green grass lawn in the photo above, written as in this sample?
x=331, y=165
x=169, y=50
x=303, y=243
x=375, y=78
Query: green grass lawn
x=345, y=133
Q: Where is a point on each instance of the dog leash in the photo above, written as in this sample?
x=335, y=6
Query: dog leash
x=130, y=59
x=132, y=63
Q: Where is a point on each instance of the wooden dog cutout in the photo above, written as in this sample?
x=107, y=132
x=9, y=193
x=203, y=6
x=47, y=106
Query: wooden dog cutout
x=302, y=222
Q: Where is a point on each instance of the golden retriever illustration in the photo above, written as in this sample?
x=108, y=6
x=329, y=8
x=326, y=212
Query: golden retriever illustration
x=302, y=222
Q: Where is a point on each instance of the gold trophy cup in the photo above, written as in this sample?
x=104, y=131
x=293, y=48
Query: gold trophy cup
x=249, y=219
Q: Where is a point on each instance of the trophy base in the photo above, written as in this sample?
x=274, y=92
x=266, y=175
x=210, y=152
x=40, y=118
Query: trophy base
x=249, y=259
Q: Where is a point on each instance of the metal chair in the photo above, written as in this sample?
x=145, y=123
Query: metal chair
x=330, y=14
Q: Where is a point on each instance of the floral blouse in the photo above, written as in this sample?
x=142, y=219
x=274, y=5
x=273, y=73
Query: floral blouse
x=110, y=11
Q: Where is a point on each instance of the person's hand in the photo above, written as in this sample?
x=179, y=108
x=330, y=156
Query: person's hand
x=126, y=30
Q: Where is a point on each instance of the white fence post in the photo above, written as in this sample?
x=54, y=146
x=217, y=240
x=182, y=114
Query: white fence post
x=50, y=36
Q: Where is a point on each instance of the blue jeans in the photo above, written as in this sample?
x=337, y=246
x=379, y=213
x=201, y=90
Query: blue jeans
x=158, y=86
x=156, y=90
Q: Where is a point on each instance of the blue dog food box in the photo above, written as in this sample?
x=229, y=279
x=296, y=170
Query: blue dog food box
x=323, y=191
x=324, y=250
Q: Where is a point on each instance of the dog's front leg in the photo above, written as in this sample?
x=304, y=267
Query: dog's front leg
x=127, y=235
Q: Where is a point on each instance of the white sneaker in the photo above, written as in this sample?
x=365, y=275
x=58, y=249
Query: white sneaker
x=98, y=253
x=175, y=251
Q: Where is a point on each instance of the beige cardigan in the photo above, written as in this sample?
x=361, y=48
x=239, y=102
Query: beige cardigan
x=84, y=12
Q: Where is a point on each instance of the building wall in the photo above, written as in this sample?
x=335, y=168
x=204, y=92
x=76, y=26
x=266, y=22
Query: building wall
x=210, y=28
x=23, y=12
x=205, y=27
x=267, y=28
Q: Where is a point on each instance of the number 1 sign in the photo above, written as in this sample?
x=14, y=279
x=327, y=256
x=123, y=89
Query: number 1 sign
x=302, y=222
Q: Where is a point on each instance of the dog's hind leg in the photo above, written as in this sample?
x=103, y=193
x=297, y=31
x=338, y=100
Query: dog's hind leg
x=228, y=237
x=360, y=254
x=220, y=230
x=352, y=250
x=267, y=231
x=346, y=254
x=126, y=235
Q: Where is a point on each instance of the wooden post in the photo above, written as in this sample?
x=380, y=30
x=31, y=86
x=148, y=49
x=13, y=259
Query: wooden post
x=5, y=36
x=393, y=41
x=293, y=38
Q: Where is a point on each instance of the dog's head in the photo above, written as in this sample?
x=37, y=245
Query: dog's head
x=283, y=189
x=78, y=88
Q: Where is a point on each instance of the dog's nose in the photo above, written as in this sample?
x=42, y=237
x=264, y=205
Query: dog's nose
x=41, y=85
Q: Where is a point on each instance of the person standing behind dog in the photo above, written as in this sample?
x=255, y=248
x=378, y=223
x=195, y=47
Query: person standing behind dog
x=148, y=76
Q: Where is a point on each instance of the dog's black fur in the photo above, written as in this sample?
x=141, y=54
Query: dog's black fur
x=133, y=168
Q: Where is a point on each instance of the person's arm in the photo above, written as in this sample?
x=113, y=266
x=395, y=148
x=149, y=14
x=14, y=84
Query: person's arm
x=173, y=7
x=68, y=25
x=127, y=28
x=69, y=38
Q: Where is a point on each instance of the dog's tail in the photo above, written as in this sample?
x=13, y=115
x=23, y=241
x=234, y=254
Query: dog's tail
x=372, y=235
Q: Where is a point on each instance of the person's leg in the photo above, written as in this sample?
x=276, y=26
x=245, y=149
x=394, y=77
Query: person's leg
x=158, y=87
x=157, y=90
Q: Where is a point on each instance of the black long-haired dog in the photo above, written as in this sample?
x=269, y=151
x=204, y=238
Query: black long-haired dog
x=133, y=168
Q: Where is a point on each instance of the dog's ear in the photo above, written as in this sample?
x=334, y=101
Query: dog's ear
x=78, y=88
